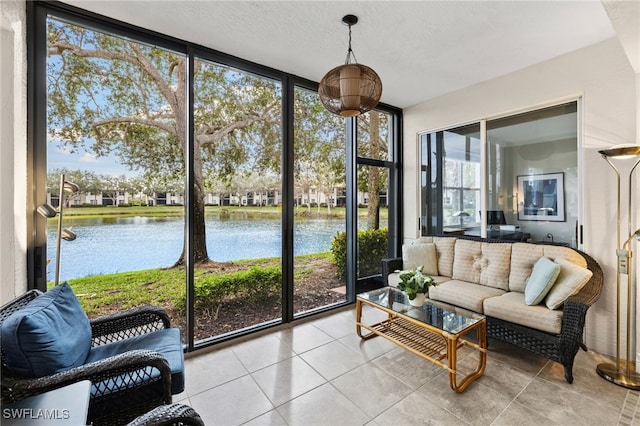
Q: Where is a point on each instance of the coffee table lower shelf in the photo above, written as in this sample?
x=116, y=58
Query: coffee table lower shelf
x=432, y=345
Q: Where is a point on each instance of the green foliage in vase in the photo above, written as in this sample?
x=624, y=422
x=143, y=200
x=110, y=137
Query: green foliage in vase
x=413, y=282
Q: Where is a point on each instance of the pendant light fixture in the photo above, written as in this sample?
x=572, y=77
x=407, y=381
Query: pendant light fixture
x=350, y=89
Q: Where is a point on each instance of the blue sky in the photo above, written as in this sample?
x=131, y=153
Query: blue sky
x=59, y=158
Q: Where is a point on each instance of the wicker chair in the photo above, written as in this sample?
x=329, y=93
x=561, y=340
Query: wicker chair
x=169, y=415
x=124, y=386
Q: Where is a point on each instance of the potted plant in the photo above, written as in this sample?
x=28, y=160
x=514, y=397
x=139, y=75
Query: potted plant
x=416, y=285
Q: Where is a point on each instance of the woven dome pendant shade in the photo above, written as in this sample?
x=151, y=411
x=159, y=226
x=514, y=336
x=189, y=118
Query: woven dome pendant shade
x=350, y=89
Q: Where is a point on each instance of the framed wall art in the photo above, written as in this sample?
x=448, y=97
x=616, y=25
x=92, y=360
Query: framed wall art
x=541, y=197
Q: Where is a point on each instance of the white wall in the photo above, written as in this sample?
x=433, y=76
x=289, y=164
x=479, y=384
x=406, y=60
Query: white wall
x=602, y=75
x=13, y=149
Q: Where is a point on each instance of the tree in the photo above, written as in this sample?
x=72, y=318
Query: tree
x=130, y=98
x=374, y=144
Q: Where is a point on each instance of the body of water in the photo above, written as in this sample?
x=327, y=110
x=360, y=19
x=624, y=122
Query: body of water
x=108, y=245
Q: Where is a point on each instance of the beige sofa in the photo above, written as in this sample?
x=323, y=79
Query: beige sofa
x=491, y=277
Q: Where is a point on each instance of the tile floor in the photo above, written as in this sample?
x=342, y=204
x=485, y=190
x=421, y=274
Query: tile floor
x=321, y=373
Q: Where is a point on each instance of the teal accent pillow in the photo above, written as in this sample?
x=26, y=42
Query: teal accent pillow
x=49, y=335
x=544, y=275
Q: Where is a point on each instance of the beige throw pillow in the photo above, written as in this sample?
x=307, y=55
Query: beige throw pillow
x=421, y=254
x=570, y=281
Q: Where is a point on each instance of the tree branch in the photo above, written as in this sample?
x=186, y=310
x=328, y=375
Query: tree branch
x=134, y=120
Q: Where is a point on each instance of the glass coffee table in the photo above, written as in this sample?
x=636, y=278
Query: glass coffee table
x=433, y=331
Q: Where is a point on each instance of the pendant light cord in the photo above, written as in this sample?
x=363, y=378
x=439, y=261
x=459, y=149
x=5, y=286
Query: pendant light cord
x=350, y=53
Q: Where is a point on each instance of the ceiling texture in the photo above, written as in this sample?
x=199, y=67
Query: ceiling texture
x=420, y=49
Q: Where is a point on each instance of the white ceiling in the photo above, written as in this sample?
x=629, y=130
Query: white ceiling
x=420, y=49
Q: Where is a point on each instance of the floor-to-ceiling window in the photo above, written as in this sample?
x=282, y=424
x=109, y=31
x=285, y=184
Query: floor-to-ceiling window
x=210, y=186
x=376, y=145
x=318, y=203
x=115, y=127
x=525, y=189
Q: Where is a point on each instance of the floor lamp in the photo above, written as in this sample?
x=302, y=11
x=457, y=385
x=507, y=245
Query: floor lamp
x=48, y=211
x=627, y=376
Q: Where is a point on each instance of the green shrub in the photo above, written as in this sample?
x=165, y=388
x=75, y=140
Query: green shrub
x=372, y=248
x=255, y=283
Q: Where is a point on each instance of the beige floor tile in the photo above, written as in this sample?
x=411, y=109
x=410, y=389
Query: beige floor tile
x=272, y=418
x=499, y=376
x=377, y=383
x=586, y=380
x=212, y=369
x=337, y=325
x=478, y=405
x=322, y=406
x=262, y=352
x=407, y=367
x=232, y=403
x=287, y=379
x=518, y=414
x=414, y=410
x=333, y=359
x=304, y=337
x=371, y=389
x=370, y=348
x=565, y=406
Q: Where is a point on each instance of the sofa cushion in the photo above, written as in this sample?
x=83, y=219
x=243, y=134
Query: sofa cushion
x=445, y=250
x=49, y=335
x=561, y=252
x=523, y=257
x=467, y=262
x=464, y=294
x=570, y=281
x=494, y=265
x=167, y=342
x=511, y=307
x=544, y=275
x=420, y=254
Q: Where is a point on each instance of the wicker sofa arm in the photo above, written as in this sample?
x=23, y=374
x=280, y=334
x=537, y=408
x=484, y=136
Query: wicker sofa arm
x=120, y=369
x=133, y=322
x=389, y=266
x=169, y=415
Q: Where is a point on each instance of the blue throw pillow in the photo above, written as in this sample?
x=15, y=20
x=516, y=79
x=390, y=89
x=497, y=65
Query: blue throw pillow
x=51, y=334
x=544, y=275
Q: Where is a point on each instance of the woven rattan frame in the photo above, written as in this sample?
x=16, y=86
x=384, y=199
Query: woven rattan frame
x=561, y=348
x=169, y=415
x=119, y=401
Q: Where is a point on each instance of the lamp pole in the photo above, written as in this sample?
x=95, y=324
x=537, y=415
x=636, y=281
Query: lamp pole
x=59, y=235
x=613, y=372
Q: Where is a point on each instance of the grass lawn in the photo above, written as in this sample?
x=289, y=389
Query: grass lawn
x=109, y=293
x=177, y=211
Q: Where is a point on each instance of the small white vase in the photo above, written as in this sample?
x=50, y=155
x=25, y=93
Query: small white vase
x=419, y=299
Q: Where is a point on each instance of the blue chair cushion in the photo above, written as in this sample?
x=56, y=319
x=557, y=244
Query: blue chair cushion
x=166, y=342
x=49, y=335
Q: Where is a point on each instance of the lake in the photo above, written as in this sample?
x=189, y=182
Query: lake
x=109, y=245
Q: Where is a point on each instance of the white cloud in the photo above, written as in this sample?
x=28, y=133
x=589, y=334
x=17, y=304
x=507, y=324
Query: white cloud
x=87, y=158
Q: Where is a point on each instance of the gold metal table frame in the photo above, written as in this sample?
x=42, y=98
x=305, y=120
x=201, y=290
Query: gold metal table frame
x=433, y=332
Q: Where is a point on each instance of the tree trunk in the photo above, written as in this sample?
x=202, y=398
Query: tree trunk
x=373, y=183
x=198, y=225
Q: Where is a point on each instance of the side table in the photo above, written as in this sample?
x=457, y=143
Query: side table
x=67, y=405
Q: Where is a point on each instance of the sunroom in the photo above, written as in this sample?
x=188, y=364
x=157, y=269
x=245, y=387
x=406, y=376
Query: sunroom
x=208, y=163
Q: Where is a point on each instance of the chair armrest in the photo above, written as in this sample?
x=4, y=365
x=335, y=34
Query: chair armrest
x=388, y=266
x=120, y=369
x=133, y=322
x=169, y=415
